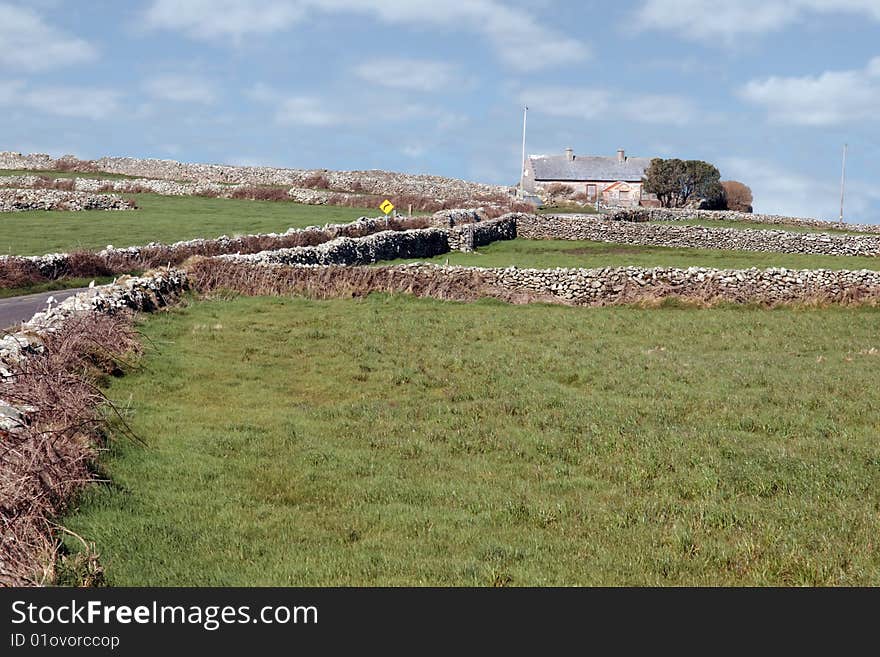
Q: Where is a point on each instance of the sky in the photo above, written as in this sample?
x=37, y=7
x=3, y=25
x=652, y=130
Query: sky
x=767, y=90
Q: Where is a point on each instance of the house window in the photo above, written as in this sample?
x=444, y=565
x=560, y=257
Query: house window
x=624, y=196
x=591, y=192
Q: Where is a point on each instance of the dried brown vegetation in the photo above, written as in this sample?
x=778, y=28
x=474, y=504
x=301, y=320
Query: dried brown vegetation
x=45, y=462
x=69, y=163
x=316, y=181
x=209, y=276
x=738, y=196
x=260, y=193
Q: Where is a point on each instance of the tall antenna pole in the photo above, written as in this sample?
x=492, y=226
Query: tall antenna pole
x=843, y=182
x=522, y=173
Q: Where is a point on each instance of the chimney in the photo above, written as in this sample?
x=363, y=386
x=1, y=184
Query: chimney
x=569, y=154
x=621, y=156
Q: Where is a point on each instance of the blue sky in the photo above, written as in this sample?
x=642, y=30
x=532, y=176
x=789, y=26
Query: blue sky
x=768, y=90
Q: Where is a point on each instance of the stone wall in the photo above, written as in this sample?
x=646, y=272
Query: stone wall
x=363, y=241
x=468, y=236
x=590, y=227
x=148, y=292
x=24, y=200
x=112, y=260
x=389, y=245
x=456, y=217
x=306, y=196
x=371, y=182
x=669, y=214
x=582, y=287
x=628, y=284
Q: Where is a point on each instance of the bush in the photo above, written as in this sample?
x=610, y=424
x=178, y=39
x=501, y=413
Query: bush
x=43, y=465
x=559, y=189
x=316, y=181
x=738, y=195
x=260, y=193
x=71, y=163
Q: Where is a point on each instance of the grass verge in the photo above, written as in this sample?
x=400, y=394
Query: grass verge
x=392, y=440
x=50, y=286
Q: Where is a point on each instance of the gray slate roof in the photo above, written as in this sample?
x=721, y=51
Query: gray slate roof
x=582, y=168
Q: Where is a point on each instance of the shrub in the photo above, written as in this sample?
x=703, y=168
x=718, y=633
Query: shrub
x=559, y=189
x=48, y=460
x=18, y=272
x=260, y=193
x=71, y=163
x=738, y=195
x=316, y=181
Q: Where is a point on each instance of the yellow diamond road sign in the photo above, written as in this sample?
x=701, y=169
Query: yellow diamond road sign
x=387, y=206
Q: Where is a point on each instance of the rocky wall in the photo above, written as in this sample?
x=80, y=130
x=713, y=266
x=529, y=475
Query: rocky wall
x=370, y=182
x=669, y=214
x=582, y=287
x=143, y=293
x=591, y=227
x=25, y=200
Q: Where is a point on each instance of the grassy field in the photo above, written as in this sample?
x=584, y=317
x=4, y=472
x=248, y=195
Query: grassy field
x=99, y=175
x=543, y=254
x=159, y=219
x=393, y=440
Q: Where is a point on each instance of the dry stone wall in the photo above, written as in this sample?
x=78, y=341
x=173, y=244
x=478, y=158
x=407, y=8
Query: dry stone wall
x=468, y=236
x=582, y=287
x=119, y=260
x=589, y=227
x=370, y=182
x=668, y=214
x=389, y=245
x=24, y=200
x=627, y=284
x=148, y=292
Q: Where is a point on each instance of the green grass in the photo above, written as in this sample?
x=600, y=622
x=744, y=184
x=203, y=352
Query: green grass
x=159, y=219
x=49, y=286
x=391, y=440
x=99, y=175
x=544, y=254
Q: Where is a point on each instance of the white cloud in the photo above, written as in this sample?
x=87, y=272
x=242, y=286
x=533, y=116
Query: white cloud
x=74, y=102
x=781, y=191
x=829, y=98
x=414, y=151
x=308, y=111
x=712, y=21
x=422, y=75
x=297, y=110
x=516, y=34
x=180, y=88
x=28, y=43
x=588, y=104
x=220, y=19
x=365, y=109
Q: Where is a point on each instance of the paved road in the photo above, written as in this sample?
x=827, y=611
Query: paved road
x=19, y=309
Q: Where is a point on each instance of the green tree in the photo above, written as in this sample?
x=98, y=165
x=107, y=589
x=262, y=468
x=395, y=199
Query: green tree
x=678, y=182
